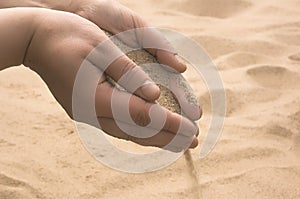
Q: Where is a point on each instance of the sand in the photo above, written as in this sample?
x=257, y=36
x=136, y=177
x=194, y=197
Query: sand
x=255, y=45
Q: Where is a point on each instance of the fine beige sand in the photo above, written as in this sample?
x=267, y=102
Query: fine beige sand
x=256, y=47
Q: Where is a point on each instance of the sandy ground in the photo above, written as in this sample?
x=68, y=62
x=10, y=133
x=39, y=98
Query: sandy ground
x=255, y=45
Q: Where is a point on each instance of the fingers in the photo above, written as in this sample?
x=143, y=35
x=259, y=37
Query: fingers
x=191, y=109
x=155, y=43
x=163, y=139
x=119, y=67
x=133, y=78
x=164, y=128
x=109, y=58
x=133, y=110
x=171, y=60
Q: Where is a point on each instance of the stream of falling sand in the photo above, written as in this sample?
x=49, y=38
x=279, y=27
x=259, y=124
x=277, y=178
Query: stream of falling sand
x=193, y=174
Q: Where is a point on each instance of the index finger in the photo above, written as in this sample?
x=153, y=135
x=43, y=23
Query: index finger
x=109, y=58
x=153, y=41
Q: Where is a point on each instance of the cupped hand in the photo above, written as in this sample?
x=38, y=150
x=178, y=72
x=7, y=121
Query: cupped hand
x=62, y=42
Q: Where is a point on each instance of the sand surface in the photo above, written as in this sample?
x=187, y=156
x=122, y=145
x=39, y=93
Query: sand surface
x=255, y=45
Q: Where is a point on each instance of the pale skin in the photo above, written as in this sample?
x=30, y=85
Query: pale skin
x=54, y=37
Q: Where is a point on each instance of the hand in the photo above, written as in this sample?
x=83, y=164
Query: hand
x=60, y=44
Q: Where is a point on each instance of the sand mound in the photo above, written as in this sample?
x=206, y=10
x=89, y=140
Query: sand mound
x=13, y=188
x=274, y=77
x=212, y=8
x=239, y=59
x=295, y=57
x=216, y=46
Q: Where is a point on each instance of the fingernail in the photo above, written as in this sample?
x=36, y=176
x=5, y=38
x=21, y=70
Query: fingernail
x=150, y=90
x=194, y=143
x=181, y=61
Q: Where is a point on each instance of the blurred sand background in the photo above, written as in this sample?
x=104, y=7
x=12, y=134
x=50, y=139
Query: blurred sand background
x=256, y=47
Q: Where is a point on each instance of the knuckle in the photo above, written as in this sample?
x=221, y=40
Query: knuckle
x=172, y=123
x=102, y=91
x=167, y=124
x=142, y=117
x=127, y=65
x=128, y=19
